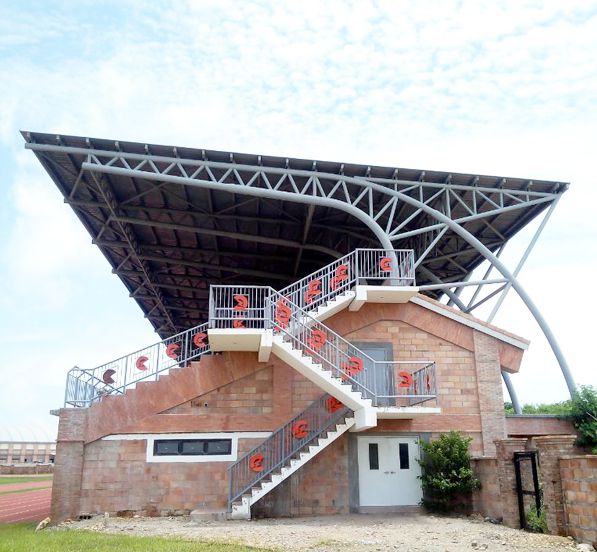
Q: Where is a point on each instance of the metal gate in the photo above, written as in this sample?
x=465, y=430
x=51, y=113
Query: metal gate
x=527, y=485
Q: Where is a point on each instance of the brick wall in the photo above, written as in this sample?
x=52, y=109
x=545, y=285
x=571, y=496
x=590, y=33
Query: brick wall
x=550, y=449
x=252, y=394
x=468, y=368
x=489, y=389
x=505, y=449
x=244, y=395
x=117, y=478
x=579, y=487
x=488, y=499
x=68, y=464
x=528, y=425
x=320, y=487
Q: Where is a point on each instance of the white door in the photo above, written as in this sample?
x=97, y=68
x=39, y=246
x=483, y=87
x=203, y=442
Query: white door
x=388, y=471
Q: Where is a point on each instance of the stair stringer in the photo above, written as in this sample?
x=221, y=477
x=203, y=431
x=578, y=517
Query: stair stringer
x=242, y=508
x=365, y=413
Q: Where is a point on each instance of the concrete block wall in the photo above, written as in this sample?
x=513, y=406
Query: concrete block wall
x=488, y=499
x=68, y=465
x=505, y=449
x=579, y=489
x=117, y=478
x=550, y=449
x=489, y=391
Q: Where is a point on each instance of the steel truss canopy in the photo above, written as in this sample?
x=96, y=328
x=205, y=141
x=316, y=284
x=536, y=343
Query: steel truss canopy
x=173, y=220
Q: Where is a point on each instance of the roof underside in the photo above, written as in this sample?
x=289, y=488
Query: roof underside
x=169, y=241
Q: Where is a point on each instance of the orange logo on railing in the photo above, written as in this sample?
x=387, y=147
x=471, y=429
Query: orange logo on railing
x=406, y=379
x=107, y=376
x=313, y=290
x=242, y=302
x=332, y=404
x=283, y=313
x=172, y=350
x=340, y=275
x=238, y=323
x=351, y=368
x=385, y=264
x=256, y=463
x=199, y=340
x=317, y=340
x=140, y=364
x=300, y=429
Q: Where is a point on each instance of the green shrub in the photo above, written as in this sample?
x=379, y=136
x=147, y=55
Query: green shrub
x=536, y=521
x=584, y=416
x=446, y=471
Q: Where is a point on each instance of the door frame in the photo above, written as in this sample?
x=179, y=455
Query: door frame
x=353, y=466
x=386, y=346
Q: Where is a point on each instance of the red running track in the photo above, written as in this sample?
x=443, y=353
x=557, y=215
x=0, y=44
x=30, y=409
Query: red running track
x=28, y=506
x=22, y=486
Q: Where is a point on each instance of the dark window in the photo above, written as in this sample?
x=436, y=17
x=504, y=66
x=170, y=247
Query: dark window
x=161, y=448
x=373, y=456
x=403, y=453
x=192, y=447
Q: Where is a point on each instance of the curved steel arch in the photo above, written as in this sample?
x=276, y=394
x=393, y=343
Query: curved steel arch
x=364, y=217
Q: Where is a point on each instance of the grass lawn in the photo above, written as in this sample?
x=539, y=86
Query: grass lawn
x=9, y=479
x=21, y=537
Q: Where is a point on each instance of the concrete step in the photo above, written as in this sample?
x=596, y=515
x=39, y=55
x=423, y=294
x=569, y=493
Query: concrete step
x=208, y=515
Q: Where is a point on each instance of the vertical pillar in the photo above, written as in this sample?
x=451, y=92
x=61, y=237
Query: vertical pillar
x=489, y=388
x=68, y=464
x=550, y=449
x=505, y=449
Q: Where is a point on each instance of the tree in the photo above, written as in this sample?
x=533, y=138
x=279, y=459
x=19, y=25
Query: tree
x=447, y=472
x=558, y=409
x=584, y=416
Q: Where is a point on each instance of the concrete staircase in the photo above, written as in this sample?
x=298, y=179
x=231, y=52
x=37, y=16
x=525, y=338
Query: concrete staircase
x=241, y=508
x=365, y=414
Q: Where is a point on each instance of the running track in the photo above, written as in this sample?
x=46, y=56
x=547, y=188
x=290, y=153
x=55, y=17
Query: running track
x=30, y=506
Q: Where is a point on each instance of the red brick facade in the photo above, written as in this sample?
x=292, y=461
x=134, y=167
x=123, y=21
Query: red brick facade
x=233, y=392
x=579, y=488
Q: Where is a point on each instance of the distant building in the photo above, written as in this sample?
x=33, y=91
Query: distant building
x=13, y=453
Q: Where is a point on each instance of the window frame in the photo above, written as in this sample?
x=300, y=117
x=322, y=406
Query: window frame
x=180, y=446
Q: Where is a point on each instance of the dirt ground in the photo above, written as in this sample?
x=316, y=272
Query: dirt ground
x=351, y=533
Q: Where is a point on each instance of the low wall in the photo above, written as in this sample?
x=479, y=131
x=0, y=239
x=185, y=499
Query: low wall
x=579, y=487
x=31, y=469
x=530, y=425
x=487, y=500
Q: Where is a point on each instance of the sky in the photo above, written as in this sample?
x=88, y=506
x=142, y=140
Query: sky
x=504, y=88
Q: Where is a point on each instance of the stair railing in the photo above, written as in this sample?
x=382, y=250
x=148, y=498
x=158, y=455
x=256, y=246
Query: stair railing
x=86, y=386
x=303, y=429
x=385, y=383
x=316, y=340
x=394, y=266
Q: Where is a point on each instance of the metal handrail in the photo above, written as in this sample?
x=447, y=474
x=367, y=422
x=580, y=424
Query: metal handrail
x=337, y=355
x=86, y=386
x=396, y=266
x=315, y=339
x=288, y=440
x=237, y=306
x=242, y=307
